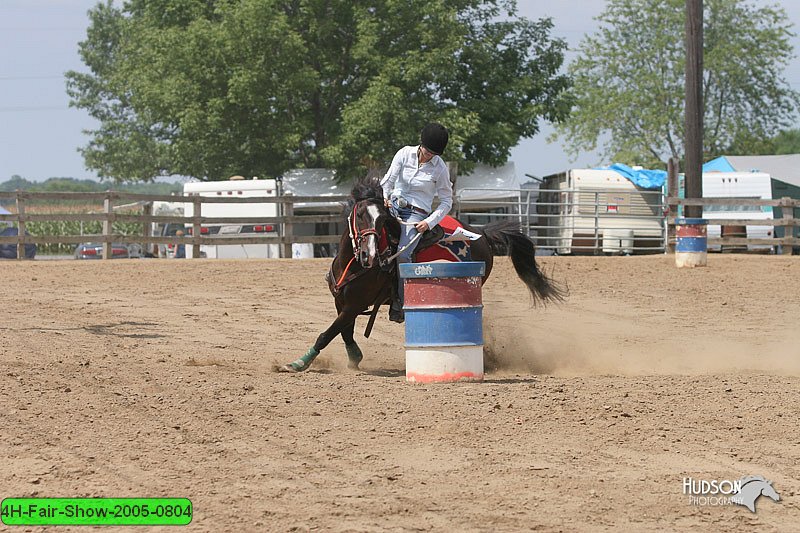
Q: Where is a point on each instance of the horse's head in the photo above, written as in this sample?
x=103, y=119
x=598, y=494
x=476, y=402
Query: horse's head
x=369, y=222
x=366, y=224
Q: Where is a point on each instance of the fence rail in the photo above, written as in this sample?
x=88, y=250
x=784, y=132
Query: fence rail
x=593, y=221
x=786, y=244
x=590, y=220
x=576, y=220
x=286, y=223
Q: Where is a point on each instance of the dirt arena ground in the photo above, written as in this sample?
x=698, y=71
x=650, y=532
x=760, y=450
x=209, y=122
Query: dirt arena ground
x=147, y=378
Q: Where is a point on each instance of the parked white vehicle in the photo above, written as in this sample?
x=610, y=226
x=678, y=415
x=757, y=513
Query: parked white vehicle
x=166, y=229
x=753, y=185
x=594, y=210
x=238, y=188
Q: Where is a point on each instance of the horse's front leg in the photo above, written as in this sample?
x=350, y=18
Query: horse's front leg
x=354, y=355
x=346, y=319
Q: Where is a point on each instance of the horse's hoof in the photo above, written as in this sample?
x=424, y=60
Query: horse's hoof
x=294, y=367
x=354, y=356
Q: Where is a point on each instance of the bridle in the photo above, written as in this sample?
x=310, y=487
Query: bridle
x=358, y=237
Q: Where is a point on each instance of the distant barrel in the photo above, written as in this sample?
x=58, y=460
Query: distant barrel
x=736, y=232
x=444, y=321
x=691, y=248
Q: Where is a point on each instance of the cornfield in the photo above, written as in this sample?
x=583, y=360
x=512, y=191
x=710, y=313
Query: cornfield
x=60, y=228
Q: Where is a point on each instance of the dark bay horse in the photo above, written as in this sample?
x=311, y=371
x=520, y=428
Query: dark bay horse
x=361, y=275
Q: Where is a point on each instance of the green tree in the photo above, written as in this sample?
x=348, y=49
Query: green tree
x=629, y=80
x=785, y=142
x=213, y=88
x=86, y=185
x=16, y=182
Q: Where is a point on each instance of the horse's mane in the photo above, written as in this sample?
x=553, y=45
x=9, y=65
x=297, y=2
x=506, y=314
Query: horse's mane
x=370, y=189
x=363, y=189
x=367, y=189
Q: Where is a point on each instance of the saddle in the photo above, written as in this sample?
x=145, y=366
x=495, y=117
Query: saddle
x=429, y=238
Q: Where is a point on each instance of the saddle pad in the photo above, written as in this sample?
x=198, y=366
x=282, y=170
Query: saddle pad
x=446, y=251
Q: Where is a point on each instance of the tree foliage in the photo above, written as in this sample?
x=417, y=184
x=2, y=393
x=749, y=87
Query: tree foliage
x=75, y=185
x=629, y=80
x=785, y=142
x=213, y=88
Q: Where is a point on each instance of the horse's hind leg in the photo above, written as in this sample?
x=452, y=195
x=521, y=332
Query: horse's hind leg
x=354, y=355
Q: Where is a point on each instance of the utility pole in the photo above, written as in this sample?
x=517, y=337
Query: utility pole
x=693, y=144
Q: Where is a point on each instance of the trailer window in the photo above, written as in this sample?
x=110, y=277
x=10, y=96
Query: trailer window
x=732, y=209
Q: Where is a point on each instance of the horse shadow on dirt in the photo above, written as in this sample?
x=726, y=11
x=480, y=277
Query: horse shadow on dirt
x=112, y=330
x=386, y=372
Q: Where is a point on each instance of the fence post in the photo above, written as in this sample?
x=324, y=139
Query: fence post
x=288, y=227
x=596, y=223
x=787, y=205
x=20, y=225
x=147, y=228
x=196, y=227
x=673, y=186
x=107, y=226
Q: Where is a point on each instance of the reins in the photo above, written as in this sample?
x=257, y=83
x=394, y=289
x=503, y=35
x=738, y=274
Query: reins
x=357, y=237
x=344, y=273
x=407, y=246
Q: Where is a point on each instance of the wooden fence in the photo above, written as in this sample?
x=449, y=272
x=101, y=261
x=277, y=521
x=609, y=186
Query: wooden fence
x=787, y=221
x=285, y=222
x=288, y=218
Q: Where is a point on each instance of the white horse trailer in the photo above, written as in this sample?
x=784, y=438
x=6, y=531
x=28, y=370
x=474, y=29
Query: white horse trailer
x=254, y=188
x=599, y=211
x=753, y=185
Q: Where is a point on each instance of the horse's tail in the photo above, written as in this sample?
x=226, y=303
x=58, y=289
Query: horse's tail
x=506, y=237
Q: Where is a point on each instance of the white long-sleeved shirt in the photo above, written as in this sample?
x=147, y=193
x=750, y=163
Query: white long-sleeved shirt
x=419, y=185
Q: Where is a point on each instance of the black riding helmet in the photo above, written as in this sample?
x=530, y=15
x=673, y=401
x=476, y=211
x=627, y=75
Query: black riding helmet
x=434, y=137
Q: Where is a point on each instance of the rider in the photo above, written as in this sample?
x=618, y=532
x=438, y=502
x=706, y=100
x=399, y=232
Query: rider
x=417, y=174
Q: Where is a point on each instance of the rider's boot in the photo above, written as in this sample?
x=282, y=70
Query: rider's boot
x=396, y=313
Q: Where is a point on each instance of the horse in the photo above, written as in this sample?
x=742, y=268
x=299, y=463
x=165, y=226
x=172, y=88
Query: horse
x=362, y=273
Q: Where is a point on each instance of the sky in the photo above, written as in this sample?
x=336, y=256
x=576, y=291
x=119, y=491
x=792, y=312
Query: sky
x=40, y=133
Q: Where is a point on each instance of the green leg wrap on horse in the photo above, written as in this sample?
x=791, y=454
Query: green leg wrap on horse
x=354, y=356
x=303, y=362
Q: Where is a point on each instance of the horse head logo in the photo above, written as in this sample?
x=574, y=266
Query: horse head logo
x=752, y=488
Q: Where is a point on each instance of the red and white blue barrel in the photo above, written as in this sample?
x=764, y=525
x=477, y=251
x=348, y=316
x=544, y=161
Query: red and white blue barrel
x=444, y=321
x=691, y=248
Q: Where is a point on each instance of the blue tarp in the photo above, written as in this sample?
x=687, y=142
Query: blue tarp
x=646, y=179
x=720, y=164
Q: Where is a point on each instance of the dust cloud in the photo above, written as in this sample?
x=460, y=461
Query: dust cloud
x=567, y=343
